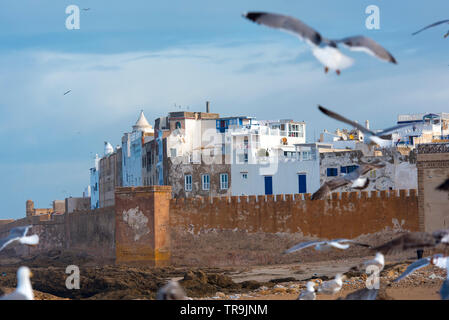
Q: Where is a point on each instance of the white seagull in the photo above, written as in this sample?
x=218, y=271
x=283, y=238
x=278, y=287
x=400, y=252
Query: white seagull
x=332, y=286
x=355, y=179
x=325, y=244
x=378, y=261
x=373, y=136
x=171, y=291
x=437, y=260
x=325, y=50
x=23, y=291
x=309, y=293
x=19, y=234
x=433, y=25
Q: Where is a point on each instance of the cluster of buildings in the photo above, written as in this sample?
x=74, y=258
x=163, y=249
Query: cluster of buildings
x=201, y=154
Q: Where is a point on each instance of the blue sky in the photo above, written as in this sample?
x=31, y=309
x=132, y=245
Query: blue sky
x=149, y=55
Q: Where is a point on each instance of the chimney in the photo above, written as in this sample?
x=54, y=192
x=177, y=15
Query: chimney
x=367, y=124
x=207, y=107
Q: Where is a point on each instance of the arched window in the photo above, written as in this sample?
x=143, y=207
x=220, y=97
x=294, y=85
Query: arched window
x=178, y=125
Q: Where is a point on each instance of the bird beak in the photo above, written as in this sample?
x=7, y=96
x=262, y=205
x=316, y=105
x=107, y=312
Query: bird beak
x=31, y=274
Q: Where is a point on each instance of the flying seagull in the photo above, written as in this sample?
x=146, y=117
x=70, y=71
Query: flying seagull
x=23, y=291
x=332, y=286
x=19, y=234
x=414, y=240
x=437, y=260
x=355, y=179
x=66, y=92
x=362, y=294
x=373, y=136
x=433, y=25
x=309, y=293
x=86, y=9
x=325, y=50
x=171, y=291
x=321, y=245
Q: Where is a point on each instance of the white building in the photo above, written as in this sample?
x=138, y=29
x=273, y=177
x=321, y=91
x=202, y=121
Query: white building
x=94, y=184
x=132, y=143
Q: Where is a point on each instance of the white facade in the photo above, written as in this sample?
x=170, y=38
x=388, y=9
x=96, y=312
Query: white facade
x=132, y=143
x=295, y=172
x=94, y=184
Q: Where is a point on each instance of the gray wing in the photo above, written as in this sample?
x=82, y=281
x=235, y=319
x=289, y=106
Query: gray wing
x=399, y=126
x=363, y=294
x=18, y=232
x=431, y=26
x=302, y=245
x=5, y=241
x=352, y=241
x=444, y=291
x=421, y=263
x=368, y=45
x=338, y=117
x=411, y=240
x=329, y=186
x=285, y=23
x=14, y=296
x=444, y=186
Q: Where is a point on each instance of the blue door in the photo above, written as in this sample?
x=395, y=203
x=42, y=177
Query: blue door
x=268, y=185
x=302, y=183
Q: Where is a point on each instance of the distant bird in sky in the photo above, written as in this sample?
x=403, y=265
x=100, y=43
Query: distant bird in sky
x=86, y=9
x=171, y=291
x=355, y=179
x=433, y=25
x=19, y=234
x=321, y=245
x=309, y=292
x=24, y=290
x=362, y=294
x=67, y=92
x=414, y=240
x=325, y=50
x=332, y=286
x=437, y=260
x=373, y=136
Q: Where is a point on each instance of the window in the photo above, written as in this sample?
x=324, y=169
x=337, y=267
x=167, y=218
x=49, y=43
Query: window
x=245, y=175
x=224, y=181
x=188, y=182
x=206, y=181
x=332, y=172
x=173, y=152
x=223, y=149
x=348, y=169
x=178, y=125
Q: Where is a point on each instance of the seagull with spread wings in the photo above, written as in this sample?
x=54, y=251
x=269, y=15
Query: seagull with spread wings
x=355, y=179
x=437, y=260
x=415, y=240
x=19, y=234
x=433, y=25
x=342, y=244
x=325, y=50
x=373, y=136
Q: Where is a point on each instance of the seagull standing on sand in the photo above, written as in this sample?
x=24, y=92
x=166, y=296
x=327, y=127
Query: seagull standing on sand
x=378, y=261
x=373, y=136
x=355, y=179
x=309, y=293
x=332, y=286
x=433, y=25
x=322, y=245
x=24, y=291
x=171, y=291
x=437, y=260
x=325, y=50
x=19, y=234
